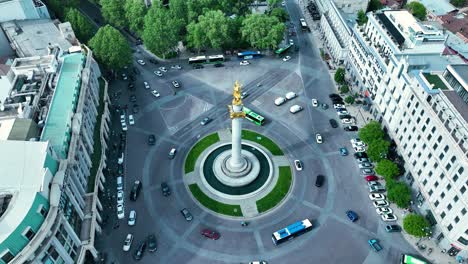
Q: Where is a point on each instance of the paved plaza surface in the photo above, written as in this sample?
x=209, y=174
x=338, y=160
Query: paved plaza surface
x=175, y=120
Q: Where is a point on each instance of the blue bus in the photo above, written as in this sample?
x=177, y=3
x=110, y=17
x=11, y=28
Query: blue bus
x=246, y=55
x=291, y=231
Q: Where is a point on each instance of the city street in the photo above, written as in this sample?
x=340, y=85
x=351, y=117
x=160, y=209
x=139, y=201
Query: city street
x=174, y=118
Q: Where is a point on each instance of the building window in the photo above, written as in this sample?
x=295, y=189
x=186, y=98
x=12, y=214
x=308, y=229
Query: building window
x=436, y=184
x=427, y=121
x=441, y=156
x=436, y=203
x=422, y=112
x=29, y=233
x=424, y=129
x=7, y=257
x=449, y=207
x=424, y=182
x=42, y=211
x=435, y=146
x=455, y=198
x=442, y=176
x=442, y=195
x=442, y=215
x=429, y=156
x=453, y=159
x=430, y=174
x=463, y=211
x=439, y=139
x=424, y=164
x=418, y=120
x=431, y=192
x=460, y=170
x=433, y=130
x=419, y=154
x=446, y=148
x=428, y=136
x=419, y=172
x=450, y=227
x=455, y=178
x=436, y=165
x=463, y=189
x=448, y=166
x=462, y=240
x=449, y=187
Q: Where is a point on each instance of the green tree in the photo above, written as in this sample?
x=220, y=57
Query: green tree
x=340, y=76
x=415, y=225
x=400, y=194
x=161, y=31
x=239, y=7
x=135, y=11
x=378, y=149
x=361, y=17
x=458, y=3
x=262, y=31
x=344, y=89
x=196, y=8
x=59, y=7
x=417, y=9
x=280, y=13
x=113, y=12
x=178, y=8
x=211, y=30
x=273, y=3
x=111, y=48
x=349, y=99
x=387, y=169
x=374, y=5
x=83, y=29
x=371, y=132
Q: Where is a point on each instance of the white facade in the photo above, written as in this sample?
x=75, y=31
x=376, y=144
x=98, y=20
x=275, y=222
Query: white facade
x=391, y=59
x=22, y=9
x=347, y=6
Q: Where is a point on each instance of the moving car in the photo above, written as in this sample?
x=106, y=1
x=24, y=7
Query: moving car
x=298, y=165
x=295, y=108
x=131, y=121
x=151, y=139
x=371, y=178
x=132, y=218
x=177, y=67
x=318, y=138
x=210, y=234
x=384, y=210
x=319, y=180
x=124, y=77
x=352, y=215
x=152, y=243
x=163, y=69
x=135, y=190
x=244, y=95
x=244, y=62
x=146, y=84
x=218, y=65
x=286, y=58
x=141, y=62
x=324, y=106
x=380, y=203
x=127, y=242
x=279, y=101
x=175, y=84
x=314, y=102
x=374, y=244
x=291, y=95
x=343, y=152
x=155, y=93
x=333, y=123
x=291, y=42
x=258, y=261
x=205, y=121
x=351, y=128
x=120, y=211
x=392, y=228
x=390, y=217
x=172, y=153
x=187, y=215
x=124, y=127
x=377, y=197
x=165, y=189
x=198, y=66
x=140, y=251
x=158, y=73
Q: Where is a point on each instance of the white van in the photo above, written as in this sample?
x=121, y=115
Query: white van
x=119, y=183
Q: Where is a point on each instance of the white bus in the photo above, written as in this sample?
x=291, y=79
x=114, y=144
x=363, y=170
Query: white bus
x=304, y=24
x=196, y=60
x=291, y=231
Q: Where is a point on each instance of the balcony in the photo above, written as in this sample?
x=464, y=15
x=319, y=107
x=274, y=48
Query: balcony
x=337, y=35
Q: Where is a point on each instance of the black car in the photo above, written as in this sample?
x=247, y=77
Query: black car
x=337, y=101
x=359, y=155
x=392, y=228
x=333, y=123
x=135, y=190
x=345, y=116
x=154, y=61
x=319, y=180
x=165, y=189
x=152, y=243
x=120, y=170
x=132, y=77
x=136, y=71
x=351, y=128
x=138, y=255
x=334, y=96
x=133, y=98
x=218, y=65
x=198, y=66
x=135, y=109
x=151, y=140
x=131, y=85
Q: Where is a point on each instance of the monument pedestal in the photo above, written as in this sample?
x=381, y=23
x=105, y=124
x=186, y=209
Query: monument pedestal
x=238, y=178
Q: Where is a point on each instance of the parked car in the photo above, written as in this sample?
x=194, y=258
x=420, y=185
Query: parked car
x=343, y=152
x=359, y=149
x=333, y=123
x=360, y=155
x=172, y=153
x=146, y=84
x=377, y=197
x=365, y=165
x=345, y=117
x=380, y=203
x=371, y=178
x=120, y=160
x=342, y=111
x=152, y=243
x=187, y=215
x=374, y=244
x=318, y=138
x=331, y=96
x=120, y=197
x=295, y=108
x=291, y=95
x=352, y=215
x=298, y=165
x=390, y=217
x=158, y=73
x=392, y=228
x=132, y=218
x=367, y=171
x=127, y=242
x=131, y=120
x=384, y=210
x=141, y=62
x=244, y=63
x=286, y=58
x=279, y=101
x=135, y=109
x=376, y=189
x=314, y=102
x=347, y=121
x=351, y=128
x=140, y=251
x=166, y=191
x=135, y=190
x=210, y=234
x=374, y=183
x=163, y=69
x=362, y=160
x=338, y=106
x=205, y=121
x=133, y=98
x=151, y=139
x=319, y=180
x=120, y=211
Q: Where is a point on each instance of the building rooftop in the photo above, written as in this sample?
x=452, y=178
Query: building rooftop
x=458, y=103
x=22, y=175
x=435, y=80
x=58, y=124
x=462, y=71
x=456, y=22
x=32, y=37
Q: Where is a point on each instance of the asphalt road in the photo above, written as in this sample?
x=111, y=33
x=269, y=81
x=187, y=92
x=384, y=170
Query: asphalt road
x=174, y=119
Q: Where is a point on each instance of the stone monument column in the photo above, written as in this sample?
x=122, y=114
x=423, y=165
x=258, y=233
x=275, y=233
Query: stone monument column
x=236, y=162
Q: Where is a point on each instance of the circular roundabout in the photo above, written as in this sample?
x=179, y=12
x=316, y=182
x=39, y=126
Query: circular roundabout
x=259, y=184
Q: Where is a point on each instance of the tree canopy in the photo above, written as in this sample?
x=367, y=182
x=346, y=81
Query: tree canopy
x=387, y=169
x=374, y=5
x=113, y=12
x=458, y=3
x=83, y=29
x=400, y=194
x=349, y=99
x=361, y=17
x=371, y=132
x=135, y=11
x=378, y=149
x=417, y=9
x=111, y=48
x=212, y=30
x=344, y=89
x=273, y=3
x=262, y=31
x=340, y=76
x=161, y=30
x=415, y=225
x=280, y=13
x=59, y=7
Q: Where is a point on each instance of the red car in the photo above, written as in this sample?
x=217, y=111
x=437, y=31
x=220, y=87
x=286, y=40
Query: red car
x=371, y=178
x=210, y=234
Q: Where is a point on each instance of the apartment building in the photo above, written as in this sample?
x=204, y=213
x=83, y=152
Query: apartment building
x=419, y=94
x=346, y=6
x=54, y=99
x=22, y=9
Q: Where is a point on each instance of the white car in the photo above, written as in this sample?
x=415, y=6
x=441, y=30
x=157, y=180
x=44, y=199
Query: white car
x=158, y=73
x=177, y=67
x=124, y=127
x=163, y=69
x=121, y=159
x=359, y=149
x=244, y=95
x=147, y=86
x=131, y=121
x=377, y=196
x=120, y=211
x=284, y=4
x=175, y=84
x=286, y=58
x=380, y=203
x=342, y=112
x=155, y=93
x=384, y=210
x=298, y=165
x=128, y=242
x=291, y=42
x=120, y=197
x=356, y=142
x=243, y=63
x=365, y=165
x=279, y=101
x=390, y=217
x=338, y=106
x=132, y=218
x=318, y=138
x=141, y=62
x=314, y=102
x=295, y=108
x=291, y=95
x=346, y=121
